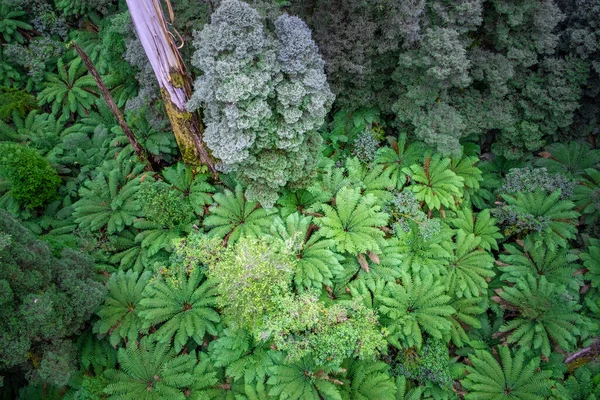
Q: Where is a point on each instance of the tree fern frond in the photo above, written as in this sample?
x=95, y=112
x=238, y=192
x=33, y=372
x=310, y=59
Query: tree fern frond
x=510, y=379
x=119, y=315
x=317, y=264
x=546, y=313
x=150, y=371
x=416, y=306
x=354, y=222
x=557, y=265
x=181, y=307
x=367, y=380
x=435, y=183
x=231, y=216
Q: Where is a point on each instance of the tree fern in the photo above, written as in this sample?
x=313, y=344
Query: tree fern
x=374, y=180
x=232, y=216
x=354, y=222
x=465, y=317
x=551, y=222
x=405, y=392
x=587, y=195
x=300, y=200
x=108, y=201
x=546, y=313
x=435, y=184
x=416, y=306
x=330, y=181
x=153, y=237
x=126, y=253
x=180, y=307
x=465, y=168
x=511, y=378
x=70, y=91
x=95, y=354
x=119, y=315
x=571, y=159
x=481, y=225
x=470, y=267
x=43, y=131
x=591, y=261
x=11, y=24
x=150, y=371
x=317, y=264
x=386, y=265
x=205, y=377
x=302, y=380
x=557, y=265
x=243, y=358
x=429, y=251
x=579, y=386
x=367, y=380
x=193, y=185
x=397, y=156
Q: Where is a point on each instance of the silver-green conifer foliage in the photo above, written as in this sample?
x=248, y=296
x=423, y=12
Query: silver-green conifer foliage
x=264, y=95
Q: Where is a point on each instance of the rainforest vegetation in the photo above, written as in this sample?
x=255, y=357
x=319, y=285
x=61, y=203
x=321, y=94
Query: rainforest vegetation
x=303, y=199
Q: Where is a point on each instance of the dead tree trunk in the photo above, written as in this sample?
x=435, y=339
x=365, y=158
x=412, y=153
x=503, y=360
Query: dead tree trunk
x=173, y=80
x=137, y=147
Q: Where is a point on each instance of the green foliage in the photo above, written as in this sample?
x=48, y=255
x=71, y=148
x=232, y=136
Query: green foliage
x=120, y=312
x=470, y=267
x=244, y=359
x=481, y=225
x=587, y=195
x=430, y=365
x=570, y=159
x=550, y=221
x=537, y=179
x=558, y=266
x=33, y=181
x=150, y=371
x=416, y=306
x=302, y=380
x=180, y=306
x=317, y=264
x=435, y=183
x=346, y=126
x=304, y=327
x=70, y=91
x=425, y=246
x=11, y=24
x=514, y=377
x=163, y=205
x=232, y=216
x=580, y=386
x=108, y=201
x=14, y=101
x=366, y=380
x=591, y=260
x=546, y=312
x=249, y=274
x=45, y=300
x=354, y=222
x=94, y=354
x=399, y=155
x=263, y=107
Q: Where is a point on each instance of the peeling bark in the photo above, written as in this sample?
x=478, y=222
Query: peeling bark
x=173, y=80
